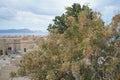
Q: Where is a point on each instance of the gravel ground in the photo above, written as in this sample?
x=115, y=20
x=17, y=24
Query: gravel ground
x=7, y=65
x=21, y=78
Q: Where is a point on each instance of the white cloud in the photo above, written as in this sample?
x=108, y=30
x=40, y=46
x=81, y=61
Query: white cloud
x=32, y=21
x=108, y=12
x=6, y=13
x=111, y=8
x=39, y=13
x=30, y=17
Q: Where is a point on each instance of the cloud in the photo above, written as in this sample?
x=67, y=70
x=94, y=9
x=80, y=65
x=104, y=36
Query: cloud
x=6, y=13
x=111, y=8
x=36, y=14
x=108, y=12
x=33, y=19
x=29, y=17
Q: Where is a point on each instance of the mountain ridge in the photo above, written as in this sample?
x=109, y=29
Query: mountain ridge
x=18, y=31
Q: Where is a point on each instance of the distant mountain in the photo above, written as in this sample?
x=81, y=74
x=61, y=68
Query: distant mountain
x=18, y=31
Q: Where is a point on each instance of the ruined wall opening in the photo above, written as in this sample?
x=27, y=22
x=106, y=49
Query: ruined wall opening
x=1, y=52
x=10, y=48
x=25, y=49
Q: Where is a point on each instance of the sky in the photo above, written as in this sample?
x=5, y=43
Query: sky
x=38, y=14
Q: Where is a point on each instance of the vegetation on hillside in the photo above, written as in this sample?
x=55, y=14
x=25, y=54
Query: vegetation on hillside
x=79, y=47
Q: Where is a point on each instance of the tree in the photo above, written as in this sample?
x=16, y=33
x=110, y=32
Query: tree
x=116, y=25
x=61, y=23
x=79, y=47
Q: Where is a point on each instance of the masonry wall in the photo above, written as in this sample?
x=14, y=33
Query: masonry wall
x=14, y=45
x=10, y=45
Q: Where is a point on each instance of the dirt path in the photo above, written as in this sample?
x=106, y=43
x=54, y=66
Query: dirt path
x=5, y=71
x=8, y=65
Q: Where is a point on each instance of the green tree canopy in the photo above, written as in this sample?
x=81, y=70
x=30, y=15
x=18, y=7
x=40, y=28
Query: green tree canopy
x=79, y=47
x=61, y=22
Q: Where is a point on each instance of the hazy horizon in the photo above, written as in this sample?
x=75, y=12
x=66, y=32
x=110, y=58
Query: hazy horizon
x=20, y=28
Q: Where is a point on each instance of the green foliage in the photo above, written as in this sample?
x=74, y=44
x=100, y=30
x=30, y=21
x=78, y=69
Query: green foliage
x=78, y=48
x=21, y=72
x=61, y=23
x=12, y=75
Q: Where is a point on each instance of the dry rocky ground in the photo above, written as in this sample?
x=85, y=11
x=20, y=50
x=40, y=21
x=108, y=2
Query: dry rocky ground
x=8, y=65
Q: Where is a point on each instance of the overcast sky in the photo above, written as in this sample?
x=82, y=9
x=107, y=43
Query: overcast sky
x=37, y=14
